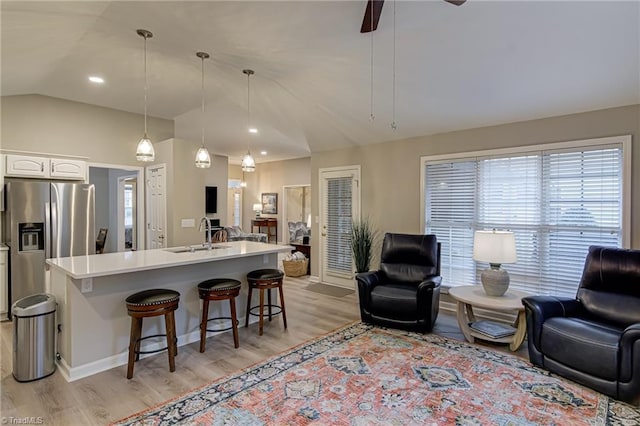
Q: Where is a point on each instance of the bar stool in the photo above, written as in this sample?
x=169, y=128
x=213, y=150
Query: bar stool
x=265, y=279
x=218, y=289
x=151, y=303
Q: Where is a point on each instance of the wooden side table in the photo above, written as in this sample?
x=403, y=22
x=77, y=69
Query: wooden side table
x=470, y=296
x=306, y=250
x=271, y=226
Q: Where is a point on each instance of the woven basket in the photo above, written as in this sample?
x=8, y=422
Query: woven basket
x=295, y=268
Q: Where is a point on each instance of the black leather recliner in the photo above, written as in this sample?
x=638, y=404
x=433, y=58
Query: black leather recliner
x=593, y=339
x=405, y=292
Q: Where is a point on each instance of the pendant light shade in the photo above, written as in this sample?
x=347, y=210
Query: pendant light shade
x=145, y=151
x=248, y=163
x=203, y=159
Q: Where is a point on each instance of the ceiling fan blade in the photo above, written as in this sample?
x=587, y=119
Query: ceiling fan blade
x=371, y=16
x=456, y=2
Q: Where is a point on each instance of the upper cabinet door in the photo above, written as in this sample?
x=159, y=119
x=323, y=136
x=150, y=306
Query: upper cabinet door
x=67, y=169
x=25, y=165
x=44, y=167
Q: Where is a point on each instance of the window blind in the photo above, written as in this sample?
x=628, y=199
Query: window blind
x=557, y=203
x=339, y=218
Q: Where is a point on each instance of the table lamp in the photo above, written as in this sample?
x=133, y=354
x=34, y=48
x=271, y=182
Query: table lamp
x=257, y=207
x=495, y=247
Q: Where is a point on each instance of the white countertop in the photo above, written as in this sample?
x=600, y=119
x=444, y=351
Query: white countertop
x=98, y=265
x=4, y=247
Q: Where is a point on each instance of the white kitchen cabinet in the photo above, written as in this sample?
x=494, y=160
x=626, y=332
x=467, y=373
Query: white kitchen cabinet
x=60, y=168
x=4, y=285
x=44, y=167
x=26, y=165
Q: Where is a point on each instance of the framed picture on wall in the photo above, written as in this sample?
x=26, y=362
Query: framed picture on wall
x=269, y=203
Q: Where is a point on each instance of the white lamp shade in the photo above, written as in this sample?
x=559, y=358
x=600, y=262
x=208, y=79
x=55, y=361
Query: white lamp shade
x=248, y=163
x=494, y=247
x=145, y=151
x=203, y=159
x=257, y=207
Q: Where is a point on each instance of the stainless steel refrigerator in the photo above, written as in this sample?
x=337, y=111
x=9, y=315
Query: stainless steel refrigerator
x=45, y=219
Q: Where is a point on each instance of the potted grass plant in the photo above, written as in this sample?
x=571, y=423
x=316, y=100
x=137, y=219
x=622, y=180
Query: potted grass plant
x=363, y=237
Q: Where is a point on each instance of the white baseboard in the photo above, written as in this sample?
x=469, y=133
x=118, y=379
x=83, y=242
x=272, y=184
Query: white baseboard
x=71, y=374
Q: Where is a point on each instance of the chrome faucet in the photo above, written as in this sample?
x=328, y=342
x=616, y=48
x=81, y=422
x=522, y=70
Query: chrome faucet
x=207, y=224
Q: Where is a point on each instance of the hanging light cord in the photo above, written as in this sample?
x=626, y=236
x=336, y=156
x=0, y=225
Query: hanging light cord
x=248, y=110
x=393, y=102
x=371, y=116
x=202, y=57
x=145, y=85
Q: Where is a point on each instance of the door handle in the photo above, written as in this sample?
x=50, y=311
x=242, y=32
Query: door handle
x=161, y=237
x=53, y=167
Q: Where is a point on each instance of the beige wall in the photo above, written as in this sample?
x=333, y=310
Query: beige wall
x=271, y=177
x=185, y=189
x=55, y=126
x=390, y=171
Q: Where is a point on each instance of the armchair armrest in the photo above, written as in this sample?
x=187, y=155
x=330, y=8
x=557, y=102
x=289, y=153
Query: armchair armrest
x=366, y=282
x=545, y=307
x=540, y=308
x=629, y=352
x=430, y=284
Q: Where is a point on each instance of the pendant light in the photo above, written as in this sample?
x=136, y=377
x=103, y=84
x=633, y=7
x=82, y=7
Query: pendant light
x=371, y=116
x=145, y=151
x=203, y=159
x=248, y=163
x=393, y=124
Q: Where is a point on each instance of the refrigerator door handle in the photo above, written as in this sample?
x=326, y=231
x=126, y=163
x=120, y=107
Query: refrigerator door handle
x=47, y=231
x=54, y=230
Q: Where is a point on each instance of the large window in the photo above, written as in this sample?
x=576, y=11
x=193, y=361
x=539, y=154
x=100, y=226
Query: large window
x=557, y=201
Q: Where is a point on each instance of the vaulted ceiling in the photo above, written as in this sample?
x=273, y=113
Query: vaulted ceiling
x=480, y=64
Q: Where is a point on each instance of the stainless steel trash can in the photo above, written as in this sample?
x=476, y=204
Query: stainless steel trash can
x=34, y=336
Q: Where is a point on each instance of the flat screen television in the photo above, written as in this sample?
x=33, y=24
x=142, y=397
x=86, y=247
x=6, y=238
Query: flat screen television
x=211, y=199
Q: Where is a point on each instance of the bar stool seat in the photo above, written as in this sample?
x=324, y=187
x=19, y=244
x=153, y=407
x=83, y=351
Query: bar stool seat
x=266, y=279
x=152, y=303
x=218, y=289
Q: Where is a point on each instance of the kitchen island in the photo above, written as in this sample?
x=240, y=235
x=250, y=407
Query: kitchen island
x=90, y=292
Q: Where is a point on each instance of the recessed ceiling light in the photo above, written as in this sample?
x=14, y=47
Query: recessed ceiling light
x=263, y=152
x=253, y=130
x=96, y=79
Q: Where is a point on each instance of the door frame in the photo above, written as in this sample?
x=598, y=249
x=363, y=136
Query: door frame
x=341, y=171
x=148, y=204
x=140, y=199
x=285, y=224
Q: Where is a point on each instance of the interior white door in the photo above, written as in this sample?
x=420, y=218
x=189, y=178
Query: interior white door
x=339, y=205
x=234, y=203
x=156, y=206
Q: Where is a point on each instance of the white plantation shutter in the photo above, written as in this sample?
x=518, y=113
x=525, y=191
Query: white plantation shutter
x=582, y=206
x=450, y=206
x=339, y=216
x=557, y=203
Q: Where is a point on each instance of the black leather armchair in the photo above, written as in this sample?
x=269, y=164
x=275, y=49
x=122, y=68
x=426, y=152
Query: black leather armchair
x=405, y=292
x=593, y=339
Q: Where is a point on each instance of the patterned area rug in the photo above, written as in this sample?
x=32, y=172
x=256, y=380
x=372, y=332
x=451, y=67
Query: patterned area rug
x=365, y=375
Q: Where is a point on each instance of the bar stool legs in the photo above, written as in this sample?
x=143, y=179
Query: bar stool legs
x=218, y=289
x=152, y=303
x=265, y=279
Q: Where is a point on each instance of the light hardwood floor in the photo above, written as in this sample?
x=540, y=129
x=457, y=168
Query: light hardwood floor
x=109, y=396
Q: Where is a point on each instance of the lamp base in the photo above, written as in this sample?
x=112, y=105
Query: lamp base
x=495, y=281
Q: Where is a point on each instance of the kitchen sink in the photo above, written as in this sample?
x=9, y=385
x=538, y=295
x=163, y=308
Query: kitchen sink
x=192, y=249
